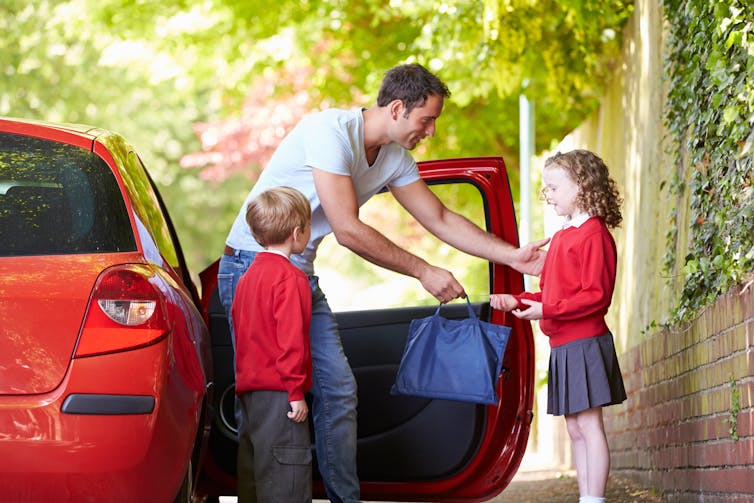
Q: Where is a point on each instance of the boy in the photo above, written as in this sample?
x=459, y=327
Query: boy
x=271, y=319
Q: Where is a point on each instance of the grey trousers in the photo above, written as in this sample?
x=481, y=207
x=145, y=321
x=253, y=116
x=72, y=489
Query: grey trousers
x=274, y=453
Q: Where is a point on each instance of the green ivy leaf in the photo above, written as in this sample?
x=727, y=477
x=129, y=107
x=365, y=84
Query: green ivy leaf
x=710, y=117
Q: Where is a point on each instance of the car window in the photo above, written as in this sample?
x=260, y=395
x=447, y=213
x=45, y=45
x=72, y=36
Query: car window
x=58, y=199
x=352, y=283
x=158, y=237
x=149, y=210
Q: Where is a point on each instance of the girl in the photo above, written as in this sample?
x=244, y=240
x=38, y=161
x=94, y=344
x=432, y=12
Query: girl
x=577, y=284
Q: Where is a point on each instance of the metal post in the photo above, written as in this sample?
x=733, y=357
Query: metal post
x=526, y=151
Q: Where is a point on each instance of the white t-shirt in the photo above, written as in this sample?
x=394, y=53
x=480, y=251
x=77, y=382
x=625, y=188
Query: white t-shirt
x=332, y=141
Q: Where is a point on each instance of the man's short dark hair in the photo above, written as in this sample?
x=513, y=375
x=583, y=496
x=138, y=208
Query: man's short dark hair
x=412, y=84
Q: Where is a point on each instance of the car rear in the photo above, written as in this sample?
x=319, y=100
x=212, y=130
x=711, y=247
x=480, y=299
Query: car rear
x=101, y=378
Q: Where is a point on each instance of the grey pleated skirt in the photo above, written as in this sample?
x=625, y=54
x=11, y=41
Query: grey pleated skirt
x=584, y=374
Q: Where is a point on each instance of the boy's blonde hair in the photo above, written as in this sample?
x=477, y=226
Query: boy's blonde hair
x=273, y=214
x=598, y=193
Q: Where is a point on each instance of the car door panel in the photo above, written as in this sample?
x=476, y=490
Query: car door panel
x=398, y=435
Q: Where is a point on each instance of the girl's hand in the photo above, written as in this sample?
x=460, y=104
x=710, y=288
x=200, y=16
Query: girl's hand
x=298, y=412
x=503, y=301
x=533, y=312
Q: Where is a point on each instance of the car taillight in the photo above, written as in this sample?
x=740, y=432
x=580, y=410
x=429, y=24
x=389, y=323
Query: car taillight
x=126, y=311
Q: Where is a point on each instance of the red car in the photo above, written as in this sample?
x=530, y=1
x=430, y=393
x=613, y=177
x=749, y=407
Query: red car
x=105, y=363
x=413, y=449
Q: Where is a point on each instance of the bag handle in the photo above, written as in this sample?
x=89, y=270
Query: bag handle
x=472, y=314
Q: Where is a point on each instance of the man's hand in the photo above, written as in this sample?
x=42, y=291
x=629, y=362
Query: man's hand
x=441, y=283
x=533, y=312
x=503, y=302
x=530, y=258
x=298, y=412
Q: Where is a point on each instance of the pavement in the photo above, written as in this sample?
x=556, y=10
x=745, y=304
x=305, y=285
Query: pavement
x=537, y=484
x=553, y=486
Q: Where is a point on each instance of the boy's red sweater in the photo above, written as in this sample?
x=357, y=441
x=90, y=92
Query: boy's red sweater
x=272, y=313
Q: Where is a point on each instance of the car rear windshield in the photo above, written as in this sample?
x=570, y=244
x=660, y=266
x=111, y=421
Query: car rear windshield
x=58, y=199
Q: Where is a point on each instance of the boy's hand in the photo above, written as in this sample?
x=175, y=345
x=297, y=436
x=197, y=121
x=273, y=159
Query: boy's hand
x=533, y=312
x=298, y=412
x=503, y=301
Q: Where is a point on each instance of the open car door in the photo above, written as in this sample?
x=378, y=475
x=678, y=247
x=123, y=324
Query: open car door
x=409, y=448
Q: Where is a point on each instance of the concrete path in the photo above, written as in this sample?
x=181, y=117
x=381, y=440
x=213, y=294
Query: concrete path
x=550, y=486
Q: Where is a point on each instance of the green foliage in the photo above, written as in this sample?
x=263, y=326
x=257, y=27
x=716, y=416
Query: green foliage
x=710, y=117
x=735, y=408
x=60, y=64
x=489, y=51
x=154, y=70
x=558, y=51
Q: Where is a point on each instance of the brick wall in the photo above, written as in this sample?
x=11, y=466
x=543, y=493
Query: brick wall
x=673, y=434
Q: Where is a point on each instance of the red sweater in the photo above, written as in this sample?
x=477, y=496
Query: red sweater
x=272, y=313
x=577, y=283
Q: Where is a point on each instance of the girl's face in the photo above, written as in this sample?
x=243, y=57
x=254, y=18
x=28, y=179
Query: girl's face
x=560, y=190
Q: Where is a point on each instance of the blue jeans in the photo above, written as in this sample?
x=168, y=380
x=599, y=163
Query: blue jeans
x=333, y=384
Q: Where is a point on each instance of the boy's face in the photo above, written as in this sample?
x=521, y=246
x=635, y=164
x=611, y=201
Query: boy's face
x=301, y=238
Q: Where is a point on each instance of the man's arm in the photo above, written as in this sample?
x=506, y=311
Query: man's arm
x=464, y=235
x=338, y=198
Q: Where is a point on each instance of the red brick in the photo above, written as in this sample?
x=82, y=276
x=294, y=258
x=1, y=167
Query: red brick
x=723, y=454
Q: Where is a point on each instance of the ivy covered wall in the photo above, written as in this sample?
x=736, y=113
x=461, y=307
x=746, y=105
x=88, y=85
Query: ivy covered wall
x=676, y=128
x=709, y=115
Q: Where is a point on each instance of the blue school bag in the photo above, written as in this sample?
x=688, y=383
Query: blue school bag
x=452, y=359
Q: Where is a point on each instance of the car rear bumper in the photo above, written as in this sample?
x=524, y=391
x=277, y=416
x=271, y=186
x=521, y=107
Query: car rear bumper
x=107, y=433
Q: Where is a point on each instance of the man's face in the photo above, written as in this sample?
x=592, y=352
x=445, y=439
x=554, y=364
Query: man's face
x=420, y=123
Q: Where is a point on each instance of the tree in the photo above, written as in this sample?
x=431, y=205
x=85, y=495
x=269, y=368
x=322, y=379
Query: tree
x=556, y=51
x=241, y=72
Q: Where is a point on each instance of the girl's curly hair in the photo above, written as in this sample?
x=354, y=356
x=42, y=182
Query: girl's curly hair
x=598, y=194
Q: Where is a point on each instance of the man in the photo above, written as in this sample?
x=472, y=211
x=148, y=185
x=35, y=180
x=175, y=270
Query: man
x=339, y=159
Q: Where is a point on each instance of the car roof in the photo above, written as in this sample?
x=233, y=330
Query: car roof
x=83, y=129
x=27, y=126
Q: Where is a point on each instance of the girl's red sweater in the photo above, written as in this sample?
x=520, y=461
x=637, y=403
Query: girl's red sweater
x=577, y=283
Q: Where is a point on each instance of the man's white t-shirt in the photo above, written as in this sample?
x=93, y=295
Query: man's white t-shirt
x=332, y=141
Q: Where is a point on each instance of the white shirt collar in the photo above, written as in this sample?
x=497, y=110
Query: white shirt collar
x=278, y=252
x=576, y=220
